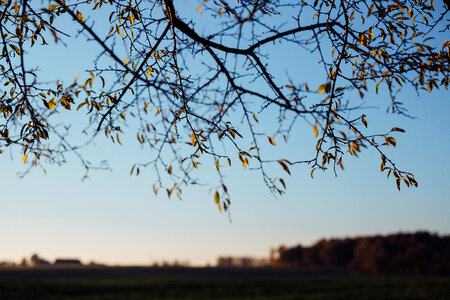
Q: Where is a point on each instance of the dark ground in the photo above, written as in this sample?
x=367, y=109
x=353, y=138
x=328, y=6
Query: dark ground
x=214, y=283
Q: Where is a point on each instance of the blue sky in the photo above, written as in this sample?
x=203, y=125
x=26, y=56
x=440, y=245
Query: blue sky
x=115, y=218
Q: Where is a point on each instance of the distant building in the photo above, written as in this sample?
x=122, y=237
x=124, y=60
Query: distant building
x=67, y=262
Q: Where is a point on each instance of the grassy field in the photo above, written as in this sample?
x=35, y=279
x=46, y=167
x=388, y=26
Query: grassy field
x=213, y=283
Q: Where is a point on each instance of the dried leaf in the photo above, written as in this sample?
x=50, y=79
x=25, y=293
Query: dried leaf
x=284, y=166
x=282, y=182
x=363, y=119
x=397, y=129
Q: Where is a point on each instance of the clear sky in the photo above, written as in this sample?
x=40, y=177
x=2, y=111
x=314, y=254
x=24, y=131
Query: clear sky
x=115, y=218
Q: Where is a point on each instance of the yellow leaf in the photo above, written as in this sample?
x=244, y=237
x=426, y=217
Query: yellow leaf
x=81, y=105
x=376, y=88
x=216, y=197
x=220, y=11
x=316, y=130
x=321, y=89
x=340, y=163
x=88, y=82
x=245, y=162
x=52, y=7
x=149, y=72
x=24, y=158
x=198, y=8
x=80, y=16
x=271, y=140
x=65, y=103
x=131, y=18
x=51, y=103
x=391, y=141
x=122, y=115
x=169, y=170
x=254, y=117
x=195, y=164
x=118, y=139
x=229, y=161
x=217, y=165
x=125, y=60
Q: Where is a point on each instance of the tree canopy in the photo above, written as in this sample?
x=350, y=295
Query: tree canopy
x=208, y=80
x=419, y=253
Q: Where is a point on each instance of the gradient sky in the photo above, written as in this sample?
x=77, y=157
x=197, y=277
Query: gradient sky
x=115, y=218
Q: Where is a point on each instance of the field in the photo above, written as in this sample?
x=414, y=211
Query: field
x=213, y=283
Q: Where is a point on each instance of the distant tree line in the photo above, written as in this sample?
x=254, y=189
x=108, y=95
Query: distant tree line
x=37, y=261
x=419, y=253
x=230, y=261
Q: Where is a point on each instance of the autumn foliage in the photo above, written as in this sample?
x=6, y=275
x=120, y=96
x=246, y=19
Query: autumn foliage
x=199, y=83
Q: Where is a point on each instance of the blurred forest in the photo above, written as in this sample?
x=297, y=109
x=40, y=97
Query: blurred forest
x=419, y=253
